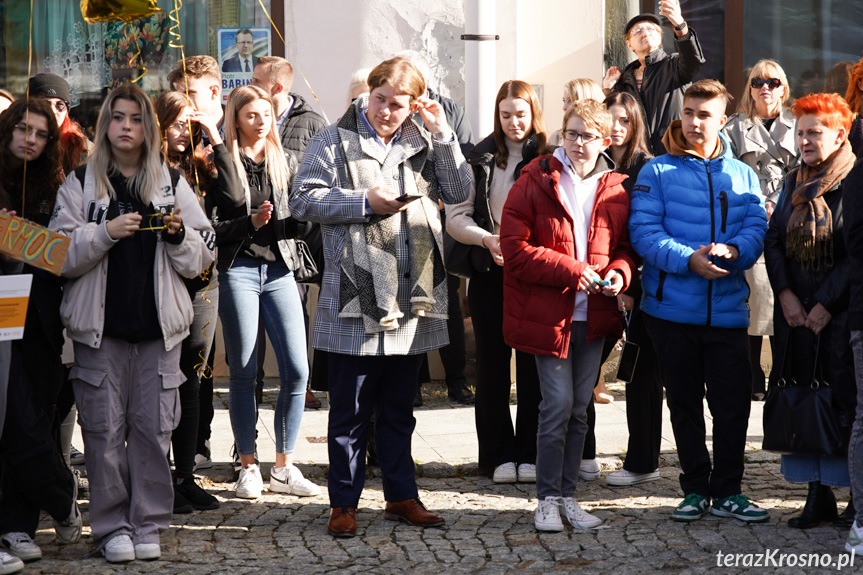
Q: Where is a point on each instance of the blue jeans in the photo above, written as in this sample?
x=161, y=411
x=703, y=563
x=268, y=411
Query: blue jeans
x=567, y=386
x=830, y=470
x=248, y=288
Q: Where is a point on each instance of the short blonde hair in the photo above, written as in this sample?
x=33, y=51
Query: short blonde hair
x=594, y=115
x=762, y=69
x=583, y=89
x=403, y=76
x=281, y=71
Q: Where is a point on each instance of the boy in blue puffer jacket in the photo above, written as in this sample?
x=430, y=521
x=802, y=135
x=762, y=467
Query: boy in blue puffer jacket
x=698, y=221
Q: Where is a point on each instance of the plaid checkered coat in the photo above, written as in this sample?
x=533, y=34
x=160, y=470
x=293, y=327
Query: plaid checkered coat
x=320, y=195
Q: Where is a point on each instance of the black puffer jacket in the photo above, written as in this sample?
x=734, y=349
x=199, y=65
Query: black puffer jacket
x=301, y=124
x=665, y=79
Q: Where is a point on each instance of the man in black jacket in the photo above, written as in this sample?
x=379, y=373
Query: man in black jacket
x=296, y=120
x=657, y=79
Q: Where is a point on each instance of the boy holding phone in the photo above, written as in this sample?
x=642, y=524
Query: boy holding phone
x=563, y=234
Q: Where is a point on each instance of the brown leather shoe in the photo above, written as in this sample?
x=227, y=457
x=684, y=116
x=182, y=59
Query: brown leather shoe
x=312, y=402
x=412, y=511
x=343, y=522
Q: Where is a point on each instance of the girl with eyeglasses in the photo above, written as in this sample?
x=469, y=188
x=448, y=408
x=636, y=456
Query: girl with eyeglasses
x=184, y=151
x=136, y=231
x=34, y=475
x=519, y=136
x=761, y=134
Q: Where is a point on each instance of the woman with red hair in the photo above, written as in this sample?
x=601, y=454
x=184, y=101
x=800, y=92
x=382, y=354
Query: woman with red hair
x=810, y=272
x=74, y=145
x=854, y=97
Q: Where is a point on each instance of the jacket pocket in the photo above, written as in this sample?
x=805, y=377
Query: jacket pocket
x=723, y=208
x=169, y=401
x=91, y=396
x=662, y=275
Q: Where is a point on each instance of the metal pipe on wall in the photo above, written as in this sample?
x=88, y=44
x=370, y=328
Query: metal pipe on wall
x=480, y=64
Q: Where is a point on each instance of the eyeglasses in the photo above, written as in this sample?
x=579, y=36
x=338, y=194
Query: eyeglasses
x=41, y=135
x=642, y=30
x=573, y=136
x=771, y=83
x=179, y=126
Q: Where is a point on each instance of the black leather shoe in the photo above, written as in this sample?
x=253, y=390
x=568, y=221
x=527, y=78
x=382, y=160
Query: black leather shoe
x=820, y=506
x=846, y=519
x=460, y=394
x=418, y=399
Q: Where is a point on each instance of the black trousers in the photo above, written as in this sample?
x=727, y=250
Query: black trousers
x=33, y=475
x=498, y=443
x=360, y=386
x=691, y=356
x=195, y=350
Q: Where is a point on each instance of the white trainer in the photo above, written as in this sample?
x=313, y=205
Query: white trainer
x=290, y=480
x=622, y=477
x=588, y=470
x=526, y=473
x=547, y=516
x=505, y=473
x=578, y=517
x=119, y=549
x=9, y=563
x=250, y=484
x=20, y=545
x=147, y=551
x=69, y=530
x=854, y=543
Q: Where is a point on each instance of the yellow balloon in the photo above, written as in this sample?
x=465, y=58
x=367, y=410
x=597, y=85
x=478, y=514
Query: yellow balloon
x=113, y=10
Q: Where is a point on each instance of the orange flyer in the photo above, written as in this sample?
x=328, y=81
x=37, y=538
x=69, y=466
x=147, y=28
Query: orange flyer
x=14, y=296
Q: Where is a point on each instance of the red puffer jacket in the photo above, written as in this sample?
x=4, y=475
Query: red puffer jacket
x=541, y=270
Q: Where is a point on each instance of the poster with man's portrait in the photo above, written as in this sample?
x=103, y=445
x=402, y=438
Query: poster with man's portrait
x=239, y=50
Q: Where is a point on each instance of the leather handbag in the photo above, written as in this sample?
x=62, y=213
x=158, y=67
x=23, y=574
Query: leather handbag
x=464, y=260
x=801, y=417
x=310, y=255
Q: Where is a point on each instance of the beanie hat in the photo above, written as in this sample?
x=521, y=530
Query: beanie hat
x=49, y=86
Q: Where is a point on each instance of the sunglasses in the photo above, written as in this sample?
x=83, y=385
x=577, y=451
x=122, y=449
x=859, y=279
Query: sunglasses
x=771, y=83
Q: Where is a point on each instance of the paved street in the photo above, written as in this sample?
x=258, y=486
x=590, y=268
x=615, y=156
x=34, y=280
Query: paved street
x=489, y=527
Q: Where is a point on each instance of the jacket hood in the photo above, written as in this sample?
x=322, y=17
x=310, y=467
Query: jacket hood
x=676, y=144
x=300, y=106
x=545, y=172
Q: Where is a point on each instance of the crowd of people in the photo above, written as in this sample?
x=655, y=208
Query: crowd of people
x=648, y=213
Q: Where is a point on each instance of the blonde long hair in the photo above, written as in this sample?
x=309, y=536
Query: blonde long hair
x=146, y=183
x=274, y=156
x=763, y=69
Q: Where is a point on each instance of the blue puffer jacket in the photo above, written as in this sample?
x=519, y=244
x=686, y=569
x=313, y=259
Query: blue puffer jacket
x=681, y=202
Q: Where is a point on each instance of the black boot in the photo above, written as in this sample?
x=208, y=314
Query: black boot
x=820, y=506
x=846, y=518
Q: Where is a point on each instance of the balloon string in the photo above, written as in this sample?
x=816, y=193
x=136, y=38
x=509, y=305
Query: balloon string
x=315, y=96
x=177, y=42
x=137, y=55
x=27, y=110
x=202, y=368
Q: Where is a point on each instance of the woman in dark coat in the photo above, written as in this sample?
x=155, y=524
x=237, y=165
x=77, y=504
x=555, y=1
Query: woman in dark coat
x=809, y=271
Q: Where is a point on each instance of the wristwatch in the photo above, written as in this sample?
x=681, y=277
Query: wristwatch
x=681, y=26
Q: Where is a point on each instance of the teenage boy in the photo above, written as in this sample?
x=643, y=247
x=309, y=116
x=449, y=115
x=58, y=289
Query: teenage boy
x=698, y=221
x=566, y=257
x=203, y=85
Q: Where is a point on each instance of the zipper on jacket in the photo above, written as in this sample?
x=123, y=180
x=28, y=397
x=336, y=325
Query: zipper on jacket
x=712, y=240
x=723, y=207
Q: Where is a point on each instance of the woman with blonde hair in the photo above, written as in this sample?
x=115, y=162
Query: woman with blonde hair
x=573, y=91
x=127, y=311
x=519, y=136
x=762, y=136
x=258, y=256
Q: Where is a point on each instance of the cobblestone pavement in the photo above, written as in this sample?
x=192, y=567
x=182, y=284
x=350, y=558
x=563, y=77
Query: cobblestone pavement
x=489, y=530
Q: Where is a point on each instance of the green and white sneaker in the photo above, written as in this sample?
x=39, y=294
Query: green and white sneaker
x=739, y=507
x=691, y=508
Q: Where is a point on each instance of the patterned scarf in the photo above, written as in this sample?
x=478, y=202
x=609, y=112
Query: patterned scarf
x=810, y=227
x=368, y=278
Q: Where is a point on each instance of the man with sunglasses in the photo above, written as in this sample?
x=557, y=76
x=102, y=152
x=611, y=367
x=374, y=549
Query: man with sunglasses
x=657, y=79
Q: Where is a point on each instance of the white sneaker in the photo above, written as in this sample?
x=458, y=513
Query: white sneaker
x=622, y=477
x=9, y=563
x=855, y=540
x=505, y=473
x=203, y=460
x=526, y=473
x=578, y=517
x=119, y=549
x=250, y=484
x=547, y=516
x=69, y=530
x=20, y=545
x=290, y=480
x=147, y=551
x=588, y=470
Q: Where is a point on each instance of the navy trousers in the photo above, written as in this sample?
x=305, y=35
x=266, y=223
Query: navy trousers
x=360, y=386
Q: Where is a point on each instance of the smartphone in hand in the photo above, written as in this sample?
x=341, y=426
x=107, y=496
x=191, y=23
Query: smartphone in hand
x=406, y=198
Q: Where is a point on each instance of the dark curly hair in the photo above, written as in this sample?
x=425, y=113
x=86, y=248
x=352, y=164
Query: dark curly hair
x=43, y=175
